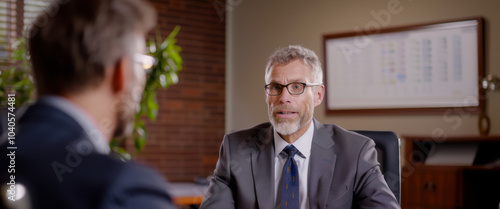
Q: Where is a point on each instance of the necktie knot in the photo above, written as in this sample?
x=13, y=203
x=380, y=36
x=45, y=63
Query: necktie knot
x=290, y=150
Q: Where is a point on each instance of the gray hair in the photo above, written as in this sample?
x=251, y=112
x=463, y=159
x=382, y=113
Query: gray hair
x=288, y=54
x=73, y=41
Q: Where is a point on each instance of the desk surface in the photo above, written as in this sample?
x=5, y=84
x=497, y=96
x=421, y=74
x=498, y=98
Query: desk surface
x=187, y=193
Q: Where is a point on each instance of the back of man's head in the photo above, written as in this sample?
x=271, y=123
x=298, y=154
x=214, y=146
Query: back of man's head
x=73, y=41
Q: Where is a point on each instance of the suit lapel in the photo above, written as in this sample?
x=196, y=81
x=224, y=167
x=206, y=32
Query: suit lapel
x=321, y=165
x=263, y=169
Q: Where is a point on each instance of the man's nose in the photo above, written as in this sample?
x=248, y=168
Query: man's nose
x=285, y=96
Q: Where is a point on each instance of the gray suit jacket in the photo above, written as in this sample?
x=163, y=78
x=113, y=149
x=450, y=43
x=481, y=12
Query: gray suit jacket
x=343, y=171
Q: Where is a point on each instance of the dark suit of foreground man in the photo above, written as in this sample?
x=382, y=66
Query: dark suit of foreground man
x=87, y=58
x=335, y=168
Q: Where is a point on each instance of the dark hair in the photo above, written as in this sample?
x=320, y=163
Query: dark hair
x=73, y=41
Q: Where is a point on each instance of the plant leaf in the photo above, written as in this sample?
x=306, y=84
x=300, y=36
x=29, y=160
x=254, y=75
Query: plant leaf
x=163, y=74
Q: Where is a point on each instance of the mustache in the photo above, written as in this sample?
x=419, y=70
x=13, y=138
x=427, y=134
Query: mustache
x=284, y=108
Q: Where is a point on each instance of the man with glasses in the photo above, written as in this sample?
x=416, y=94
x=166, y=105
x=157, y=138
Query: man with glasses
x=89, y=70
x=294, y=161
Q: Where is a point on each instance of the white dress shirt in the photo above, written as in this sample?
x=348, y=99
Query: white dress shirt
x=303, y=145
x=83, y=119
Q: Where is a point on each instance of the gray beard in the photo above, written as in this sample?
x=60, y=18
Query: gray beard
x=286, y=128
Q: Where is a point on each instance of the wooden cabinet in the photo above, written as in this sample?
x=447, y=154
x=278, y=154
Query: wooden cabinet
x=432, y=186
x=442, y=186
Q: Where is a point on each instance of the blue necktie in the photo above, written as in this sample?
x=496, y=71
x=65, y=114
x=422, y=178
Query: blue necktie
x=290, y=181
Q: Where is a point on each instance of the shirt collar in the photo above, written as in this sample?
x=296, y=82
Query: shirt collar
x=303, y=144
x=82, y=118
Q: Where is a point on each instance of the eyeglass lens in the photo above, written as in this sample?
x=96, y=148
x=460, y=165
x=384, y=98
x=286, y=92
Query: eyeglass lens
x=293, y=88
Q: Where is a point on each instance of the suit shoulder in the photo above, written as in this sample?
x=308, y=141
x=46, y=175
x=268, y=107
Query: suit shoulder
x=349, y=138
x=117, y=168
x=133, y=169
x=254, y=131
x=135, y=177
x=254, y=138
x=42, y=127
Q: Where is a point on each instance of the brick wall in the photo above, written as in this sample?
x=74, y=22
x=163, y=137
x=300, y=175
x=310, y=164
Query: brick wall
x=190, y=123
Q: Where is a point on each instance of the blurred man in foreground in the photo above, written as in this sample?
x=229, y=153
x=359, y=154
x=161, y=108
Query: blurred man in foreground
x=88, y=64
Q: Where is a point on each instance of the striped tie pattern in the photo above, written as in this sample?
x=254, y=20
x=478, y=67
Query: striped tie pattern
x=290, y=180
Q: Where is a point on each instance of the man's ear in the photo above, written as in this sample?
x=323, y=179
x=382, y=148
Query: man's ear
x=319, y=94
x=119, y=75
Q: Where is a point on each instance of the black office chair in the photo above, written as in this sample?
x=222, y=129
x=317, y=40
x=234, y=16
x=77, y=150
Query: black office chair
x=388, y=145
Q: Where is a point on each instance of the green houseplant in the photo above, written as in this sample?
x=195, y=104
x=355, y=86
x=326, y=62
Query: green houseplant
x=162, y=75
x=16, y=78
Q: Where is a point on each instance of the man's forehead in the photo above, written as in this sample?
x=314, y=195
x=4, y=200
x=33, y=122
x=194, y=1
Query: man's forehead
x=292, y=71
x=292, y=61
x=280, y=80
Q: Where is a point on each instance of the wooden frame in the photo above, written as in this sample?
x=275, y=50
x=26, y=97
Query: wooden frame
x=335, y=45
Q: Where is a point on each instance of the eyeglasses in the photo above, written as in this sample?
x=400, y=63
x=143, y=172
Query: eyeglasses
x=275, y=89
x=145, y=60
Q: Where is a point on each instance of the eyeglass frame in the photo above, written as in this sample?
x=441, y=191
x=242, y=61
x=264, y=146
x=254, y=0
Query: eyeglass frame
x=304, y=85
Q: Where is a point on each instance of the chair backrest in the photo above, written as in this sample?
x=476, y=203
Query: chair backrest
x=388, y=145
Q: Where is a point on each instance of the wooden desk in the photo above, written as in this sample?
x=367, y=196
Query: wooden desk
x=187, y=193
